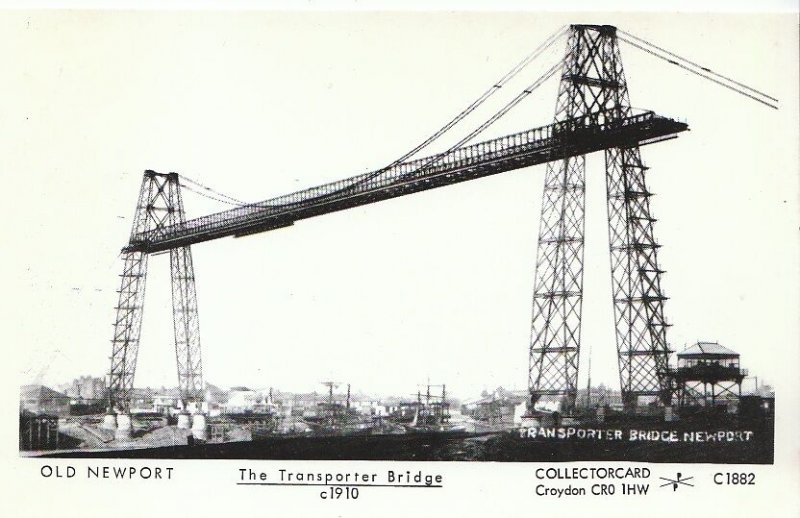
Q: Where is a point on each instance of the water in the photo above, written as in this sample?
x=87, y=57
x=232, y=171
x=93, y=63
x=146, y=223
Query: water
x=502, y=447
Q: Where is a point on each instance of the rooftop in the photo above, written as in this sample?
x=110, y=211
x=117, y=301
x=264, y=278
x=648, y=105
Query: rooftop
x=708, y=349
x=40, y=392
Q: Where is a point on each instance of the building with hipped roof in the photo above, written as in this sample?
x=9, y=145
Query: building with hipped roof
x=38, y=399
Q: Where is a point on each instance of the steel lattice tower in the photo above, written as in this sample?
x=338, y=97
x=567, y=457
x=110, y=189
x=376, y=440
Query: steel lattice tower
x=593, y=91
x=160, y=205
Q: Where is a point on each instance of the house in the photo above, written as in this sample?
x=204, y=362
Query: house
x=87, y=389
x=243, y=400
x=38, y=399
x=299, y=404
x=499, y=406
x=141, y=400
x=215, y=399
x=167, y=401
x=599, y=396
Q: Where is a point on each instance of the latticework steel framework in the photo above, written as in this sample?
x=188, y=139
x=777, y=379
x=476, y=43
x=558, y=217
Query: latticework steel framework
x=593, y=89
x=160, y=205
x=592, y=114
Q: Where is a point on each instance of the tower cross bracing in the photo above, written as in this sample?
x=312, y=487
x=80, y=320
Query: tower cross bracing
x=593, y=86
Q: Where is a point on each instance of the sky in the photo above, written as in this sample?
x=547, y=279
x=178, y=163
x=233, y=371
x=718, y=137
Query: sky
x=435, y=286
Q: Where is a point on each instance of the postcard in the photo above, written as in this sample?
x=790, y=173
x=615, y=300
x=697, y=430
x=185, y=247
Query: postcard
x=366, y=263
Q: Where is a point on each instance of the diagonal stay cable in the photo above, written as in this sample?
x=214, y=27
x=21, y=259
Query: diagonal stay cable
x=215, y=192
x=701, y=67
x=209, y=196
x=700, y=74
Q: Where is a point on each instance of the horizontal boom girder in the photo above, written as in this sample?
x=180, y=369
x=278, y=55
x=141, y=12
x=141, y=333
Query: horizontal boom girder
x=536, y=146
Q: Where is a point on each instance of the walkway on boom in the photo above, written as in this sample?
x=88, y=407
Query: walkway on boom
x=535, y=146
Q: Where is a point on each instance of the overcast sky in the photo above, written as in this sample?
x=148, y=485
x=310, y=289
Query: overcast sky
x=436, y=285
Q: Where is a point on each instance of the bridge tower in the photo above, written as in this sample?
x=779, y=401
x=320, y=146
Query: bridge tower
x=593, y=90
x=160, y=205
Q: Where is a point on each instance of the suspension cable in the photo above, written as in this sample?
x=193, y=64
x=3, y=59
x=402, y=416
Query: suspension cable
x=224, y=198
x=494, y=118
x=488, y=93
x=736, y=89
x=439, y=156
x=458, y=118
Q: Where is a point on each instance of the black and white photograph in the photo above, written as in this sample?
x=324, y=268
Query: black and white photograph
x=391, y=255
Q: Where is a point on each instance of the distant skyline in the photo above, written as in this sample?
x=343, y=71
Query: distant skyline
x=435, y=286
